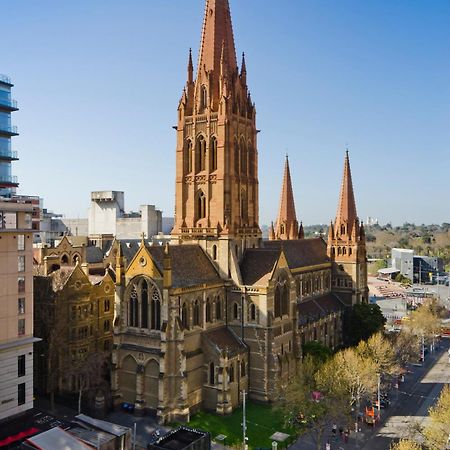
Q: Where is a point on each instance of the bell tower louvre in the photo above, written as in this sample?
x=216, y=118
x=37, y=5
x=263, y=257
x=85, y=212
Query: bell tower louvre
x=347, y=246
x=216, y=157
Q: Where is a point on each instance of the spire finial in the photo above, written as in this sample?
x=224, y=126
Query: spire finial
x=190, y=68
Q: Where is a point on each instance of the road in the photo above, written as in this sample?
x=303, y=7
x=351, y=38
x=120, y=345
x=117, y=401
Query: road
x=409, y=406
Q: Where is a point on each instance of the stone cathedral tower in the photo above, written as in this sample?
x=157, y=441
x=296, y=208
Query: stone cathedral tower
x=217, y=161
x=347, y=246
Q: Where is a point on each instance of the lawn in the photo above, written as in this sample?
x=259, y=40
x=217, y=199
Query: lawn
x=262, y=422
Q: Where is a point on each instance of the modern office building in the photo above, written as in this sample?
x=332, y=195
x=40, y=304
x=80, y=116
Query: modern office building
x=16, y=308
x=402, y=260
x=8, y=182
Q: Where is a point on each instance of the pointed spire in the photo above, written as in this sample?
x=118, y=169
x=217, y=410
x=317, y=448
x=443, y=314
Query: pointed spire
x=346, y=213
x=243, y=70
x=362, y=233
x=301, y=231
x=190, y=68
x=217, y=32
x=286, y=216
x=271, y=232
x=330, y=232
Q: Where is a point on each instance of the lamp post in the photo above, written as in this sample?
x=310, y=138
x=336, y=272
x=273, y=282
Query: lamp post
x=244, y=422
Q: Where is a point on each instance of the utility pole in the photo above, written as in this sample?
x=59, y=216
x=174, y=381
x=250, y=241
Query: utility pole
x=244, y=423
x=134, y=436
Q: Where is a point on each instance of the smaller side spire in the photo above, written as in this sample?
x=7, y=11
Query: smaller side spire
x=190, y=78
x=301, y=231
x=243, y=70
x=271, y=232
x=287, y=225
x=330, y=232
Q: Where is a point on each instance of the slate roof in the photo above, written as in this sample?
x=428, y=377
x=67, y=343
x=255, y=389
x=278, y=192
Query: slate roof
x=94, y=254
x=257, y=263
x=224, y=339
x=302, y=252
x=190, y=265
x=312, y=310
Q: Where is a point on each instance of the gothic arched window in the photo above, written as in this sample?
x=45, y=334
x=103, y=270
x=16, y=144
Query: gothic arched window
x=184, y=317
x=218, y=309
x=212, y=374
x=342, y=229
x=133, y=308
x=235, y=311
x=208, y=311
x=144, y=305
x=201, y=154
x=156, y=311
x=214, y=252
x=285, y=300
x=277, y=309
x=188, y=157
x=232, y=373
x=253, y=312
x=243, y=149
x=244, y=206
x=203, y=98
x=251, y=161
x=201, y=205
x=197, y=313
x=213, y=152
x=236, y=157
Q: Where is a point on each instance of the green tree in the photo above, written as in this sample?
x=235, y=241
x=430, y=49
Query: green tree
x=363, y=321
x=405, y=444
x=317, y=351
x=437, y=432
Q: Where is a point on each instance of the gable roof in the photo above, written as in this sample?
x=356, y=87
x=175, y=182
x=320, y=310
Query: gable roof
x=223, y=339
x=317, y=308
x=190, y=265
x=302, y=252
x=257, y=264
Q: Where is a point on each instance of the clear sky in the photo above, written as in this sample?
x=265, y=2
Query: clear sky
x=98, y=83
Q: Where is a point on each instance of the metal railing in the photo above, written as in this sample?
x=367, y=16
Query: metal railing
x=10, y=129
x=9, y=154
x=10, y=179
x=9, y=102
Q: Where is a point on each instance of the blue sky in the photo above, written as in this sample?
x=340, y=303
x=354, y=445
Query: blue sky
x=98, y=84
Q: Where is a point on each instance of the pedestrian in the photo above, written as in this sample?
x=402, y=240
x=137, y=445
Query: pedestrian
x=346, y=434
x=328, y=446
x=341, y=431
x=334, y=429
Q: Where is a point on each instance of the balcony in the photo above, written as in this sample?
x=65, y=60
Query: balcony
x=8, y=155
x=8, y=181
x=8, y=104
x=8, y=131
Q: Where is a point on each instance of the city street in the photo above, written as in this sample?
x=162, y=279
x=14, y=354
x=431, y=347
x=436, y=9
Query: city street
x=409, y=407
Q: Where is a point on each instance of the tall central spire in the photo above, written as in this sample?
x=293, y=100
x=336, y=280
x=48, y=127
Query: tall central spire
x=287, y=225
x=217, y=36
x=346, y=213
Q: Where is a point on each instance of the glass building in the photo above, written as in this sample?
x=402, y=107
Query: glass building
x=8, y=182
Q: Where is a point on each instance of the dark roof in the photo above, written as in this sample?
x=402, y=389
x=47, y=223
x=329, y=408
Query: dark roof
x=314, y=309
x=190, y=265
x=302, y=252
x=181, y=438
x=129, y=248
x=224, y=339
x=94, y=254
x=256, y=263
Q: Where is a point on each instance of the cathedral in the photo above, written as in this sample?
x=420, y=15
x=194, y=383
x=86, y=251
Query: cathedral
x=220, y=311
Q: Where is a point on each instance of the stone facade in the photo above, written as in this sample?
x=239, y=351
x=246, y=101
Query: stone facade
x=220, y=311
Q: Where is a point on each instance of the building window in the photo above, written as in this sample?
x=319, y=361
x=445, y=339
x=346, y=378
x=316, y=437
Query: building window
x=251, y=161
x=213, y=152
x=21, y=366
x=208, y=310
x=144, y=305
x=285, y=300
x=212, y=374
x=20, y=242
x=243, y=158
x=236, y=158
x=28, y=221
x=201, y=205
x=64, y=259
x=235, y=311
x=21, y=263
x=106, y=305
x=8, y=220
x=21, y=327
x=218, y=309
x=21, y=306
x=277, y=309
x=106, y=346
x=244, y=206
x=156, y=311
x=243, y=369
x=232, y=373
x=106, y=326
x=133, y=308
x=184, y=317
x=253, y=312
x=201, y=154
x=197, y=313
x=214, y=252
x=203, y=98
x=21, y=394
x=188, y=157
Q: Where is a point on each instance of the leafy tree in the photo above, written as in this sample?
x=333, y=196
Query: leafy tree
x=380, y=351
x=437, y=432
x=405, y=444
x=317, y=351
x=363, y=321
x=405, y=346
x=426, y=320
x=305, y=408
x=348, y=375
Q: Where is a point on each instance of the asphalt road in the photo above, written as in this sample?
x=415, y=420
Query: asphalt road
x=409, y=407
